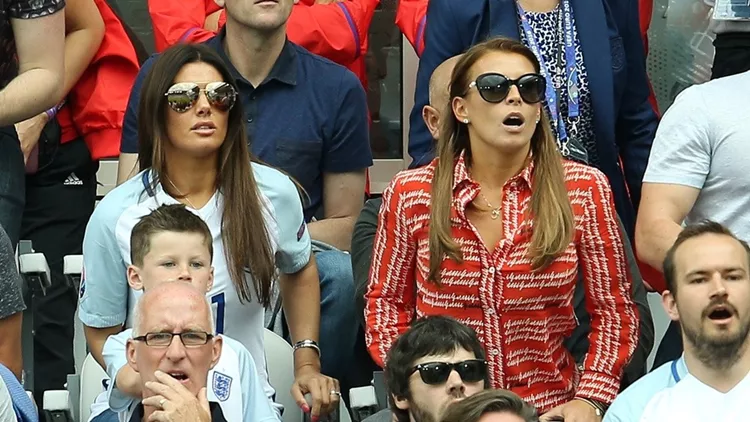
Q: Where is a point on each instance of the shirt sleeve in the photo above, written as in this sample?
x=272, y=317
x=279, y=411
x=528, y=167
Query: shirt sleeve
x=256, y=404
x=411, y=19
x=614, y=320
x=104, y=285
x=391, y=297
x=115, y=359
x=681, y=153
x=32, y=9
x=334, y=30
x=177, y=21
x=129, y=141
x=294, y=245
x=347, y=142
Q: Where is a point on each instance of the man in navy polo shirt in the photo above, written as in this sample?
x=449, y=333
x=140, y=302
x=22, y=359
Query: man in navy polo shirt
x=307, y=116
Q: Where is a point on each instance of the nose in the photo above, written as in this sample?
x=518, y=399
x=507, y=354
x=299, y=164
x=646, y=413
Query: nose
x=719, y=287
x=184, y=274
x=176, y=350
x=202, y=107
x=455, y=384
x=514, y=96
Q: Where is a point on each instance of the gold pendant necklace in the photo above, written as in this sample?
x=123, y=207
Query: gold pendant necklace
x=494, y=211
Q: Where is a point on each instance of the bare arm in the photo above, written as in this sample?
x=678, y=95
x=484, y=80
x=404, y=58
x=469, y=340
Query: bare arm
x=129, y=382
x=663, y=208
x=10, y=346
x=300, y=293
x=343, y=198
x=127, y=167
x=84, y=32
x=95, y=339
x=39, y=84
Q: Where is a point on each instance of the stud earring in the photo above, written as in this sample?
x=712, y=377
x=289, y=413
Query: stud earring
x=466, y=121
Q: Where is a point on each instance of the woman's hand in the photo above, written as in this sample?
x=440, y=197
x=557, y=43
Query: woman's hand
x=572, y=411
x=309, y=380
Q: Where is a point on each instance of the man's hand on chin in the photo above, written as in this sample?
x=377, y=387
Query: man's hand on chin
x=174, y=403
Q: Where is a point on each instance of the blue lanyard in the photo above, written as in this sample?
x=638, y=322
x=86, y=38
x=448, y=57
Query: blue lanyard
x=571, y=72
x=675, y=374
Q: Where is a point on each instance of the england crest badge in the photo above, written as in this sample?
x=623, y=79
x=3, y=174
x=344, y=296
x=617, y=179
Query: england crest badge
x=222, y=385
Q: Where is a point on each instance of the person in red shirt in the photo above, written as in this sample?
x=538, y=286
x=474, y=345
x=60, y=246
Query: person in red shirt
x=334, y=29
x=493, y=232
x=61, y=148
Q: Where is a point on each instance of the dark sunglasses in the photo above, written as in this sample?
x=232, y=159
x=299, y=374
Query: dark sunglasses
x=494, y=87
x=182, y=96
x=433, y=373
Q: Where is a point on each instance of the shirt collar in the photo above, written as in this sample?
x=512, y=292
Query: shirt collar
x=284, y=70
x=461, y=176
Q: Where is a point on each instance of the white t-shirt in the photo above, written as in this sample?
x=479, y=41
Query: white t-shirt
x=106, y=300
x=693, y=401
x=702, y=142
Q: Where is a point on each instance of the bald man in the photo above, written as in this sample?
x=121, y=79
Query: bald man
x=172, y=349
x=363, y=235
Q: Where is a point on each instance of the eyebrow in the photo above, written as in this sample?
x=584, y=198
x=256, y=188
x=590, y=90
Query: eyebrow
x=722, y=270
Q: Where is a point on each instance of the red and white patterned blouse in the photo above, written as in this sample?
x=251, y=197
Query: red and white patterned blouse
x=520, y=316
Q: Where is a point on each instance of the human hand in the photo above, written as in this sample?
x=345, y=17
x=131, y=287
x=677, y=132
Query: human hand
x=174, y=403
x=572, y=411
x=29, y=131
x=309, y=380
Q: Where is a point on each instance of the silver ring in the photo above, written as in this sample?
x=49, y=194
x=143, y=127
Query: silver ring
x=335, y=393
x=162, y=401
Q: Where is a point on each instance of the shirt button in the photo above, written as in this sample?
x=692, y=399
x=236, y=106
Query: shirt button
x=494, y=352
x=253, y=97
x=492, y=270
x=490, y=311
x=249, y=119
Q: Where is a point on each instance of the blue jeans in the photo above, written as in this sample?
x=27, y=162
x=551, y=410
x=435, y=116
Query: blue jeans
x=106, y=416
x=338, y=321
x=12, y=183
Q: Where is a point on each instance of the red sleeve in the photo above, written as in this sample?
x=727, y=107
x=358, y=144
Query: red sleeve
x=336, y=31
x=99, y=99
x=411, y=18
x=614, y=317
x=391, y=297
x=180, y=20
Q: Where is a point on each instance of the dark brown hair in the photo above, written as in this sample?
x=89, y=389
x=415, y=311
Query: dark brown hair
x=689, y=232
x=550, y=206
x=472, y=409
x=167, y=218
x=246, y=240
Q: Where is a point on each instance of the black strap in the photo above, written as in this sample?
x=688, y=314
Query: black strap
x=141, y=52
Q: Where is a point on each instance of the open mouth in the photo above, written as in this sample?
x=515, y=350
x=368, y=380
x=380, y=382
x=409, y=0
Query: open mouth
x=513, y=121
x=720, y=313
x=179, y=376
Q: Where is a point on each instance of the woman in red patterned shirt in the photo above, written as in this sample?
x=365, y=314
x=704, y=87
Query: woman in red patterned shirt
x=494, y=232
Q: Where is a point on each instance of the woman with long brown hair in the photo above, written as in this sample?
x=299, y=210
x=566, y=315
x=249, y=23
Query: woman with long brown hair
x=493, y=233
x=194, y=151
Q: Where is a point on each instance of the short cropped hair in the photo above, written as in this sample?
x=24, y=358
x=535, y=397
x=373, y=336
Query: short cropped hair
x=428, y=336
x=689, y=232
x=167, y=218
x=472, y=409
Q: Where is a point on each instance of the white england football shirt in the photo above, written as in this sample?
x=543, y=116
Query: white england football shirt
x=106, y=300
x=690, y=400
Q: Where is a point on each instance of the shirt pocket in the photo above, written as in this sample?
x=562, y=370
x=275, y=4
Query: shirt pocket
x=300, y=159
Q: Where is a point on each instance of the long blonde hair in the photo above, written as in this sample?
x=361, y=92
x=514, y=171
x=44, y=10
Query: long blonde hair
x=551, y=211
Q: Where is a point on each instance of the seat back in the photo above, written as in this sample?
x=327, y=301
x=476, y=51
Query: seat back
x=91, y=379
x=280, y=365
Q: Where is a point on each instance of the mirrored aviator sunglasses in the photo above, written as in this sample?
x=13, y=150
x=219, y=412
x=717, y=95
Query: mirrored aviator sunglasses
x=182, y=96
x=494, y=87
x=435, y=373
